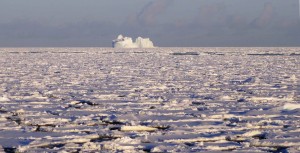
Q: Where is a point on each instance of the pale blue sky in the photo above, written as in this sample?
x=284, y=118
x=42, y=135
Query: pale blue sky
x=173, y=23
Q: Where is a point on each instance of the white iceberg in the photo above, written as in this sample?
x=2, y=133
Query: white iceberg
x=127, y=42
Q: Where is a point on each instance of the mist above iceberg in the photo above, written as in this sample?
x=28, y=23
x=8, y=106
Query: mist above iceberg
x=127, y=42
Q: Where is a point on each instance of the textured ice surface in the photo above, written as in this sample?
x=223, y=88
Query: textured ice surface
x=155, y=100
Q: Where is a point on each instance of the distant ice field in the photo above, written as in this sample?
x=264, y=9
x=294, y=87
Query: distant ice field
x=149, y=100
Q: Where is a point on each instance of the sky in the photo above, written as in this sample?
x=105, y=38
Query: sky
x=168, y=23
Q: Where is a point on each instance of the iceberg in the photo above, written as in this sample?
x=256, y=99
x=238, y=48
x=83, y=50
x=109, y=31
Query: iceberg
x=127, y=42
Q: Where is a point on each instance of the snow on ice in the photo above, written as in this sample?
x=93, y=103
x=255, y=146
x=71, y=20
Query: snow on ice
x=149, y=100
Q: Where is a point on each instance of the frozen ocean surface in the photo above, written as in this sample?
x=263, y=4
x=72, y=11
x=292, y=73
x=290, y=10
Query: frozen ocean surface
x=149, y=100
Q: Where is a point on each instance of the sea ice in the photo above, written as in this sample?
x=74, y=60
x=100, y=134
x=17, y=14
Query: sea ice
x=4, y=98
x=291, y=106
x=143, y=100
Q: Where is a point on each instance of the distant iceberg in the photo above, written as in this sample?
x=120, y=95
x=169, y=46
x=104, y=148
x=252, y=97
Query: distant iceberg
x=127, y=42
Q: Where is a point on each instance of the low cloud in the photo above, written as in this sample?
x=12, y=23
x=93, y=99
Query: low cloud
x=31, y=33
x=265, y=17
x=214, y=24
x=211, y=15
x=148, y=15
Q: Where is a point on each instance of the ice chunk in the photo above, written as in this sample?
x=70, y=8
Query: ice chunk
x=290, y=106
x=4, y=98
x=138, y=128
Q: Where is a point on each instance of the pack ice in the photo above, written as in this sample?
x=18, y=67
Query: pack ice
x=149, y=100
